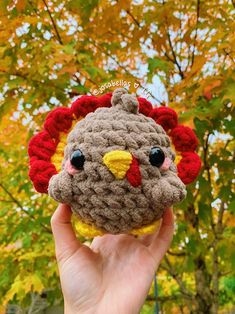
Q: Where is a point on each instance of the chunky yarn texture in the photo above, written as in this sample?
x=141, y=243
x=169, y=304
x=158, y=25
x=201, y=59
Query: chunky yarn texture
x=94, y=193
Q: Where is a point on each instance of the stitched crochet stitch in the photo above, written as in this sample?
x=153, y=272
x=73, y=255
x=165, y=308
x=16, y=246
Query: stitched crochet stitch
x=105, y=173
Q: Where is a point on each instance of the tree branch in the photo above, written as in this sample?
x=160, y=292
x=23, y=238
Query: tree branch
x=219, y=226
x=133, y=18
x=226, y=273
x=172, y=272
x=176, y=253
x=227, y=54
x=205, y=151
x=21, y=207
x=6, y=201
x=196, y=31
x=53, y=23
x=215, y=274
x=164, y=298
x=174, y=55
x=77, y=79
x=26, y=78
x=174, y=60
x=218, y=231
x=207, y=169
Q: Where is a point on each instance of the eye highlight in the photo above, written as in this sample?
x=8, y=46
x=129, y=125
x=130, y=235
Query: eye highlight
x=77, y=159
x=156, y=156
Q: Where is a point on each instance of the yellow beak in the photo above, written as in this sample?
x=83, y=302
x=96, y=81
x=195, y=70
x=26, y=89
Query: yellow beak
x=118, y=162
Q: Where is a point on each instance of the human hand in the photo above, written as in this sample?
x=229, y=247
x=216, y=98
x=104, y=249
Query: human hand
x=114, y=274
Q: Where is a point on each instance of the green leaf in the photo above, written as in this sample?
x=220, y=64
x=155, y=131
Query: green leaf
x=84, y=8
x=201, y=126
x=157, y=64
x=229, y=90
x=189, y=264
x=231, y=207
x=204, y=212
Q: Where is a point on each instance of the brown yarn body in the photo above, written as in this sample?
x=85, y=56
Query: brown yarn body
x=94, y=194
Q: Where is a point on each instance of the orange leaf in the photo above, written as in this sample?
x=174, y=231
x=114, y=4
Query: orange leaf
x=20, y=5
x=207, y=90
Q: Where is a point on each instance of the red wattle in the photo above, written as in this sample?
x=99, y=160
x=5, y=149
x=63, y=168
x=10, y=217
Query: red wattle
x=133, y=174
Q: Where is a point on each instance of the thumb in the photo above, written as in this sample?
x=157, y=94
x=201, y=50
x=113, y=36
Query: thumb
x=163, y=238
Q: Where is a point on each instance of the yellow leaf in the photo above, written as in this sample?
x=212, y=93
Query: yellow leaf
x=21, y=286
x=36, y=283
x=15, y=288
x=199, y=61
x=2, y=309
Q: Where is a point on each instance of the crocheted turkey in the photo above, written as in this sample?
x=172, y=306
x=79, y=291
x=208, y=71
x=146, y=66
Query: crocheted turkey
x=113, y=163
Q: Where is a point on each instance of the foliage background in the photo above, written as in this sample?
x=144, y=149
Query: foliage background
x=182, y=53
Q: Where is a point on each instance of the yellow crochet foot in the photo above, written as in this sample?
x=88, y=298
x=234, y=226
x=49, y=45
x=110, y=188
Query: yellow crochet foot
x=88, y=231
x=149, y=229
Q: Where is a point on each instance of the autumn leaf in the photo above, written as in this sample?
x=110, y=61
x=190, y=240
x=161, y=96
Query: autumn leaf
x=20, y=5
x=27, y=284
x=207, y=92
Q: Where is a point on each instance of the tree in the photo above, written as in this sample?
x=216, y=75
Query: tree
x=54, y=50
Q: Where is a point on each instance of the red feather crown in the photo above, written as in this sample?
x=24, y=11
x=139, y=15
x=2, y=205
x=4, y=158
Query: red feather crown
x=46, y=148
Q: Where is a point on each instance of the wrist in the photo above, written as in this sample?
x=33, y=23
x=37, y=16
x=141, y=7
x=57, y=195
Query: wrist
x=74, y=310
x=100, y=308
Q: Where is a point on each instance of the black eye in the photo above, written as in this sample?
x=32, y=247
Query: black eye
x=77, y=159
x=156, y=156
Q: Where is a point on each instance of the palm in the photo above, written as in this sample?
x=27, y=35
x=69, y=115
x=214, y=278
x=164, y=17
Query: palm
x=113, y=275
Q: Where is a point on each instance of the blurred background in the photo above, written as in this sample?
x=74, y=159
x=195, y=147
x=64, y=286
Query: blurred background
x=176, y=53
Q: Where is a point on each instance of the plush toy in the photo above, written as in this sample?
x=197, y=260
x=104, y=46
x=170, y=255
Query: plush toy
x=111, y=160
